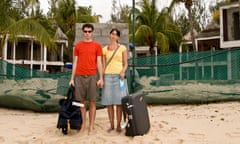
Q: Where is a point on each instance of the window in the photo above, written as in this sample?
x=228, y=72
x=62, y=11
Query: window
x=236, y=26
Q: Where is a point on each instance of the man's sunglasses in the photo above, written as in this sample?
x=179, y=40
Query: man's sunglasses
x=85, y=31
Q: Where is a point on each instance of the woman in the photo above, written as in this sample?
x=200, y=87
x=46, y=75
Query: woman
x=115, y=64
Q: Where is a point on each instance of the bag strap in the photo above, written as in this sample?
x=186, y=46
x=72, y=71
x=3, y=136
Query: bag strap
x=70, y=94
x=111, y=57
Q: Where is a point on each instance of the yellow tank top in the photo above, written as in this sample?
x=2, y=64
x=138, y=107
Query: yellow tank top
x=116, y=64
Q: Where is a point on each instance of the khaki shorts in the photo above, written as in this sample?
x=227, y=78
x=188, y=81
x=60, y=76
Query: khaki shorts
x=86, y=88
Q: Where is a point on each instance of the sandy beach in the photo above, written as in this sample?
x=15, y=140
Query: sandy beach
x=217, y=123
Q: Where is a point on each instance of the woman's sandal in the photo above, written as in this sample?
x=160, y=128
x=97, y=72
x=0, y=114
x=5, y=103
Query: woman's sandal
x=110, y=129
x=119, y=129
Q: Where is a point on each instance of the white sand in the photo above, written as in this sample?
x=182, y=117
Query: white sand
x=174, y=124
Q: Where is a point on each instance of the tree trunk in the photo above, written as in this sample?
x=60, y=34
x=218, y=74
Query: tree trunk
x=191, y=26
x=152, y=51
x=239, y=6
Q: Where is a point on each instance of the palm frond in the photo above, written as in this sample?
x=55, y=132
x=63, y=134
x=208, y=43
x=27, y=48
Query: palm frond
x=174, y=34
x=5, y=22
x=162, y=42
x=31, y=27
x=144, y=34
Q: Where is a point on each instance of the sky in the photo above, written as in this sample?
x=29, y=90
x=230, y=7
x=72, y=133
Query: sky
x=102, y=7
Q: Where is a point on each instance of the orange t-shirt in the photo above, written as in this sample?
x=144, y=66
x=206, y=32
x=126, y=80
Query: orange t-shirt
x=87, y=53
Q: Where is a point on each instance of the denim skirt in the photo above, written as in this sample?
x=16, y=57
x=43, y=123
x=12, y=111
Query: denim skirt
x=111, y=93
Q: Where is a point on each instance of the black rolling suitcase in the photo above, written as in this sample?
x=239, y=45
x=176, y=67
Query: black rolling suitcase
x=69, y=114
x=135, y=114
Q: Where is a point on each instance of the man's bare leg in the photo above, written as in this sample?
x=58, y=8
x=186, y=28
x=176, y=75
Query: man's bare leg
x=92, y=115
x=83, y=112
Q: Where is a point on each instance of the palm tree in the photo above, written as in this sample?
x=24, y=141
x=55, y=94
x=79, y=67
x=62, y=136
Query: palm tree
x=188, y=4
x=155, y=28
x=31, y=6
x=29, y=26
x=121, y=14
x=6, y=20
x=84, y=14
x=65, y=14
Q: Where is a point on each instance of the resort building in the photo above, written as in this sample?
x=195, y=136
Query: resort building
x=30, y=53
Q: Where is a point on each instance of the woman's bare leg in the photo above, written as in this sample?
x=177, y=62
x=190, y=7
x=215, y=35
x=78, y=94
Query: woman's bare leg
x=119, y=117
x=110, y=110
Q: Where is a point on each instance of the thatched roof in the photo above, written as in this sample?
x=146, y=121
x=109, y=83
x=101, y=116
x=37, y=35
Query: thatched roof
x=59, y=35
x=187, y=36
x=212, y=29
x=213, y=26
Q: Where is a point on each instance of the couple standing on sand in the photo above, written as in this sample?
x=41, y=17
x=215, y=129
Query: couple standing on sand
x=94, y=67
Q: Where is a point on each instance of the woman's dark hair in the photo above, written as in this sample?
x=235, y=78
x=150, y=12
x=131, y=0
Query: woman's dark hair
x=116, y=30
x=88, y=25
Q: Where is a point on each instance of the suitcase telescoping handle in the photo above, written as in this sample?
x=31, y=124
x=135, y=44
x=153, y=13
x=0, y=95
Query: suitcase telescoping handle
x=124, y=125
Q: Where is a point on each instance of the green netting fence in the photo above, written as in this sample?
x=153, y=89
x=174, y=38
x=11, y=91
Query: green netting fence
x=178, y=78
x=209, y=65
x=193, y=77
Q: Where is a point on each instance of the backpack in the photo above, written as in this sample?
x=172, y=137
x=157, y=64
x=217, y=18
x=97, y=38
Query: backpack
x=69, y=114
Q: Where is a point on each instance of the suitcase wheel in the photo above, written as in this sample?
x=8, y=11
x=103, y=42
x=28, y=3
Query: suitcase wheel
x=64, y=131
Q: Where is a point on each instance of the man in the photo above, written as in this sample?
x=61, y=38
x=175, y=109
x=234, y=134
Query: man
x=87, y=61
